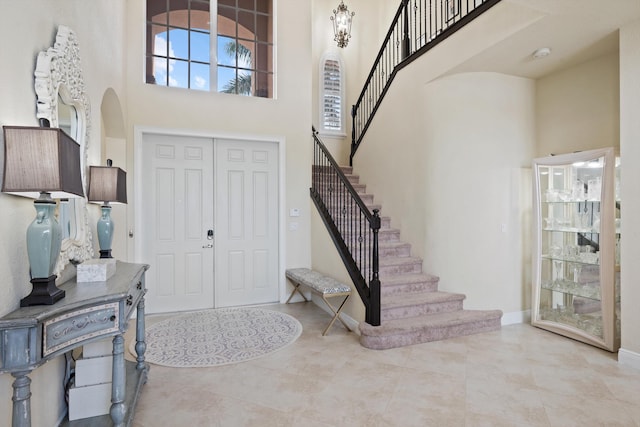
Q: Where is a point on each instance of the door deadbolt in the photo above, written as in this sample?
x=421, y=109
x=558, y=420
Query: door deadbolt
x=209, y=234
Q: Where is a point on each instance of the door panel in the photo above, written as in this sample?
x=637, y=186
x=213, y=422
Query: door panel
x=247, y=222
x=177, y=205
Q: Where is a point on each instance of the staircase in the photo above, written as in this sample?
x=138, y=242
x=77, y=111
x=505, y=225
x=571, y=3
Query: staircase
x=413, y=310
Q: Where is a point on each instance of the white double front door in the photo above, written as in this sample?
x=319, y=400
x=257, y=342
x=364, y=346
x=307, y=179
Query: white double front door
x=209, y=222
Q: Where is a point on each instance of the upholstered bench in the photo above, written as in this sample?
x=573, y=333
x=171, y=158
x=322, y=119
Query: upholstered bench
x=322, y=285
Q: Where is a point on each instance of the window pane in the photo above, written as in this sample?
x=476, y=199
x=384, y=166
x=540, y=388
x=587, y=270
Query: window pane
x=200, y=76
x=200, y=49
x=262, y=28
x=246, y=4
x=159, y=40
x=263, y=6
x=202, y=5
x=200, y=20
x=246, y=25
x=226, y=79
x=263, y=57
x=244, y=83
x=157, y=11
x=227, y=2
x=178, y=13
x=179, y=43
x=226, y=51
x=150, y=70
x=226, y=22
x=264, y=85
x=160, y=71
x=246, y=52
x=160, y=44
x=178, y=73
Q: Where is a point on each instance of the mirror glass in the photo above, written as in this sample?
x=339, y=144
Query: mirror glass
x=68, y=122
x=62, y=101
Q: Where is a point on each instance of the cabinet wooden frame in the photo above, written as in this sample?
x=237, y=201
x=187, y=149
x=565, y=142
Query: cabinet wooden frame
x=610, y=338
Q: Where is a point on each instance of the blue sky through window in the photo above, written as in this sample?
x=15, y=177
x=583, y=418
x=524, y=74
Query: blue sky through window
x=178, y=51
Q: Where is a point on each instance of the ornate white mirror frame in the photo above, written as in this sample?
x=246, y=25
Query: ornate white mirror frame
x=58, y=78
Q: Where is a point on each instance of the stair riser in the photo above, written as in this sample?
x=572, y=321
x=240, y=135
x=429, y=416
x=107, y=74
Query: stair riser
x=408, y=288
x=419, y=310
x=330, y=176
x=385, y=222
x=396, y=251
x=366, y=198
x=395, y=270
x=383, y=236
x=428, y=335
x=392, y=251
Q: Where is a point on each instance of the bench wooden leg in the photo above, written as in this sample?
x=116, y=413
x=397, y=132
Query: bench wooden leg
x=296, y=288
x=336, y=314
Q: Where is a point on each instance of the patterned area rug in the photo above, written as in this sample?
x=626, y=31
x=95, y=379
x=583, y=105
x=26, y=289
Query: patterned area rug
x=218, y=337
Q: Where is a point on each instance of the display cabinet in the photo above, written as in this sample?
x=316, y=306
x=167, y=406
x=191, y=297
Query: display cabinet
x=576, y=258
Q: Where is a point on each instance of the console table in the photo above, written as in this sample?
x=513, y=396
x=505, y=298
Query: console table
x=30, y=336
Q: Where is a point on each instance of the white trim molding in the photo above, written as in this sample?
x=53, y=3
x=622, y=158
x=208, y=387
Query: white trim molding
x=516, y=317
x=629, y=358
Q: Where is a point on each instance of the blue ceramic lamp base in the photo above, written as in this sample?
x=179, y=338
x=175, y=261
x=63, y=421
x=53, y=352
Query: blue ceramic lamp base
x=43, y=248
x=105, y=231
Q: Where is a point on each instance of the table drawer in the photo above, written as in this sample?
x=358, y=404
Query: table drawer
x=80, y=325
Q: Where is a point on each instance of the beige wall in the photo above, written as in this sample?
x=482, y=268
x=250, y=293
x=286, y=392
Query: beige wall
x=630, y=155
x=26, y=28
x=456, y=181
x=577, y=109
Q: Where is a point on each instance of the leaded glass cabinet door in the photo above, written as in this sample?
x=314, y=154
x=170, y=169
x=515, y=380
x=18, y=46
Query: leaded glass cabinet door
x=576, y=265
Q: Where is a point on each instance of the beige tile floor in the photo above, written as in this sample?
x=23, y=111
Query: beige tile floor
x=518, y=376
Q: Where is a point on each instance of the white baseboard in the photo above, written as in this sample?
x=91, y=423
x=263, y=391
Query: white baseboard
x=516, y=317
x=629, y=358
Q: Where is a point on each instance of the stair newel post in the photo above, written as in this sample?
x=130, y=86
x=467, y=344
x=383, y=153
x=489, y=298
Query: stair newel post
x=374, y=286
x=406, y=43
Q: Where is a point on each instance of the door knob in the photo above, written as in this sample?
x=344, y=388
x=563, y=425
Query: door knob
x=209, y=246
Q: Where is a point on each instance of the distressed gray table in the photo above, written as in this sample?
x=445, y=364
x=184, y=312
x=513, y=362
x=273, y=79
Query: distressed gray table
x=30, y=336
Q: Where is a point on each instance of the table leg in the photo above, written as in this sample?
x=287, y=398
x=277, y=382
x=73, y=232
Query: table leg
x=141, y=345
x=21, y=399
x=118, y=408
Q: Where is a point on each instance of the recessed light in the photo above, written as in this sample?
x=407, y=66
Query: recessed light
x=542, y=52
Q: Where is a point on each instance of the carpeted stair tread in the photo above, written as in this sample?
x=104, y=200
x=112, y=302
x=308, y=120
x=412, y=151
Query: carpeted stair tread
x=427, y=328
x=435, y=320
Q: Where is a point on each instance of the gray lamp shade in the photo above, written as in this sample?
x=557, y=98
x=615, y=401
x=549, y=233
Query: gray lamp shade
x=107, y=184
x=38, y=159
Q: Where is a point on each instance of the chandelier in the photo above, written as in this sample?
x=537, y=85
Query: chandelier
x=342, y=24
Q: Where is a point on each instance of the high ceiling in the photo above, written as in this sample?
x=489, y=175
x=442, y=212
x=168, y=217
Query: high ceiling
x=575, y=31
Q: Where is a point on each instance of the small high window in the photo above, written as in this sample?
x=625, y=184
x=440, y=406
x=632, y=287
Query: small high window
x=219, y=45
x=332, y=107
